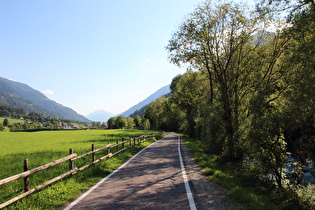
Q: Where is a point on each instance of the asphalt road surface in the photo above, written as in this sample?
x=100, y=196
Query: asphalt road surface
x=156, y=178
x=151, y=180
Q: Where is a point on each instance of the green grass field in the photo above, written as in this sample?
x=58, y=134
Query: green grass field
x=11, y=121
x=46, y=146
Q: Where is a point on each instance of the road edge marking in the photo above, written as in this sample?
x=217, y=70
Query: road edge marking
x=187, y=187
x=72, y=204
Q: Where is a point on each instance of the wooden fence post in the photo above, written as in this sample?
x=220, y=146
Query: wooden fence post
x=93, y=154
x=26, y=179
x=117, y=145
x=123, y=144
x=108, y=150
x=71, y=162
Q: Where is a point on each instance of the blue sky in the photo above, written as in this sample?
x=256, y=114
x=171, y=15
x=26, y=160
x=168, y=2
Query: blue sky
x=90, y=54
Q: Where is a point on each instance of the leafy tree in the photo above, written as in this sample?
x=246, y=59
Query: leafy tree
x=188, y=92
x=112, y=123
x=240, y=114
x=137, y=120
x=6, y=122
x=291, y=7
x=145, y=123
x=243, y=64
x=217, y=41
x=300, y=99
x=155, y=114
x=96, y=124
x=121, y=122
x=298, y=104
x=130, y=123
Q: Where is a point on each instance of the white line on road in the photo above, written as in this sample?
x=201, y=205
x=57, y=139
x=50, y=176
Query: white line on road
x=71, y=205
x=187, y=187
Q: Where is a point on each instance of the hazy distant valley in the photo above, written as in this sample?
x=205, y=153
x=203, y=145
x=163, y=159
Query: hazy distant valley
x=23, y=96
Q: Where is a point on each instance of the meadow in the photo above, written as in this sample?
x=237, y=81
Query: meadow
x=46, y=146
x=11, y=121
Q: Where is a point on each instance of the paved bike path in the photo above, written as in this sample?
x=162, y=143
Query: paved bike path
x=151, y=180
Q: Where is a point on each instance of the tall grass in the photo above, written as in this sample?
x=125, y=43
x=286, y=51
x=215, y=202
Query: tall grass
x=46, y=146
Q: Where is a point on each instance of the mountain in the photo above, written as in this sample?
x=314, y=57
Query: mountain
x=140, y=111
x=99, y=115
x=20, y=95
x=161, y=92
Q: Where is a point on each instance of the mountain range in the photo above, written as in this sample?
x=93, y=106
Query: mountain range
x=103, y=116
x=20, y=95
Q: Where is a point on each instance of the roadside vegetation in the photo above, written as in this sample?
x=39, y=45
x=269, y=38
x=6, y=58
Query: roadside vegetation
x=247, y=96
x=46, y=146
x=248, y=190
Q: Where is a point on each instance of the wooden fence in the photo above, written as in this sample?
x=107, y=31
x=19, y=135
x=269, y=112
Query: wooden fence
x=118, y=148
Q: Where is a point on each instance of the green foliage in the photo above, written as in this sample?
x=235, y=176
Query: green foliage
x=130, y=123
x=121, y=122
x=155, y=113
x=111, y=123
x=137, y=120
x=6, y=122
x=146, y=123
x=10, y=111
x=96, y=124
x=219, y=41
x=244, y=188
x=187, y=94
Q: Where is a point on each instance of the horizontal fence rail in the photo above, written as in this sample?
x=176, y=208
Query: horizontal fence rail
x=72, y=169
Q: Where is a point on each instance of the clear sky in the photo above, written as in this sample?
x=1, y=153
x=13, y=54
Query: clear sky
x=90, y=54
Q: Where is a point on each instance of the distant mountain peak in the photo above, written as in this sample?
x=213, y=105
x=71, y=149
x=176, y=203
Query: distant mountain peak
x=100, y=115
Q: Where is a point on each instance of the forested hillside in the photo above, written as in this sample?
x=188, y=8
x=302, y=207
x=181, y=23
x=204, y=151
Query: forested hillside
x=20, y=95
x=249, y=92
x=29, y=106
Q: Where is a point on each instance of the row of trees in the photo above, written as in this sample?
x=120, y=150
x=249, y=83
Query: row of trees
x=249, y=91
x=122, y=122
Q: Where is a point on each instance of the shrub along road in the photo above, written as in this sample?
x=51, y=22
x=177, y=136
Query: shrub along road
x=154, y=179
